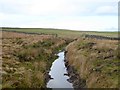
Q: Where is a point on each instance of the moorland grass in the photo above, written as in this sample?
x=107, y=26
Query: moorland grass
x=97, y=63
x=62, y=32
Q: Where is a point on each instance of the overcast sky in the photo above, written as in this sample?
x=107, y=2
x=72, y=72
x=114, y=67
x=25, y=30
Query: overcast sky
x=95, y=15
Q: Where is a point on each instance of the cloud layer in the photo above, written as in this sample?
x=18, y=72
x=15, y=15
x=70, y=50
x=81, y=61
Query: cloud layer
x=70, y=14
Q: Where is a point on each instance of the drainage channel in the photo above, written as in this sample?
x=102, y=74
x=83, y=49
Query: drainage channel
x=57, y=72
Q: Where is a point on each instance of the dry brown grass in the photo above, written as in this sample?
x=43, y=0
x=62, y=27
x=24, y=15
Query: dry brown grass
x=26, y=58
x=96, y=61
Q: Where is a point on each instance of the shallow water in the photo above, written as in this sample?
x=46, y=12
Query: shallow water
x=57, y=72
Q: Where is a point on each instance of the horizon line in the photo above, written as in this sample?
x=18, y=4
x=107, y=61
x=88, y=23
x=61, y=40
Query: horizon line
x=58, y=29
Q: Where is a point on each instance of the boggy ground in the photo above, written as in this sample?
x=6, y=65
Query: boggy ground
x=26, y=58
x=93, y=63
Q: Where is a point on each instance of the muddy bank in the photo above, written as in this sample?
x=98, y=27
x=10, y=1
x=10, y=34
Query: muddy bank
x=74, y=77
x=57, y=72
x=92, y=63
x=47, y=76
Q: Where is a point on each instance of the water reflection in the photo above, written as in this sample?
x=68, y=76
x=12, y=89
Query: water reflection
x=57, y=72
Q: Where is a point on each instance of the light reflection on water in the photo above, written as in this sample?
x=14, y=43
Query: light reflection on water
x=57, y=72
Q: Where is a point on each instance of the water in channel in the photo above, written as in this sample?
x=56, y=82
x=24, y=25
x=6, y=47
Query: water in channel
x=57, y=72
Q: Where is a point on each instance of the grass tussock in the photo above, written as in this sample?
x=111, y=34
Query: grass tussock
x=27, y=58
x=96, y=61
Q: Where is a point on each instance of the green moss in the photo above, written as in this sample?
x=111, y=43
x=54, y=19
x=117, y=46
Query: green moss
x=47, y=43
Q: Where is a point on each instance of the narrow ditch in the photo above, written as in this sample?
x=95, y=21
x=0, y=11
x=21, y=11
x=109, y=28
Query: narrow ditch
x=58, y=73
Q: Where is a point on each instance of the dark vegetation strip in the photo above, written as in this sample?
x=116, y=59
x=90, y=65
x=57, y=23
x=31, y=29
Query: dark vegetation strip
x=101, y=37
x=29, y=32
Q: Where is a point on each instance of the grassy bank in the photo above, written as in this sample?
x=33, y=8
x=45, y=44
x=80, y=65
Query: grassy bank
x=27, y=58
x=95, y=61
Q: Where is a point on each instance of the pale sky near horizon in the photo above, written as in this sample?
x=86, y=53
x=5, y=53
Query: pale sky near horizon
x=90, y=15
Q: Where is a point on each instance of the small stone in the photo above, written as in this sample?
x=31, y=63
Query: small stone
x=94, y=69
x=11, y=69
